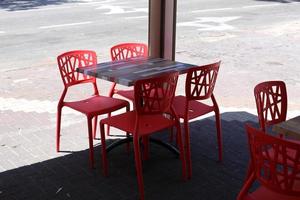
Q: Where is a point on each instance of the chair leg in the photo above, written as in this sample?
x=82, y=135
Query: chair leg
x=188, y=148
x=127, y=133
x=91, y=146
x=128, y=143
x=249, y=170
x=138, y=166
x=108, y=127
x=171, y=134
x=181, y=149
x=171, y=137
x=95, y=127
x=246, y=186
x=103, y=148
x=176, y=140
x=146, y=147
x=58, y=123
x=219, y=135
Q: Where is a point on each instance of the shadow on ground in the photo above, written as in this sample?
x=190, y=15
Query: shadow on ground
x=15, y=5
x=69, y=177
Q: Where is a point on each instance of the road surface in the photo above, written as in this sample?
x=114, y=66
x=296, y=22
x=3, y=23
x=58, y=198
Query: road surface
x=256, y=41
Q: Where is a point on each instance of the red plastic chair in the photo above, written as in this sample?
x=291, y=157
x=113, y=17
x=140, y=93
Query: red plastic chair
x=153, y=98
x=123, y=52
x=126, y=51
x=199, y=85
x=91, y=107
x=278, y=173
x=271, y=103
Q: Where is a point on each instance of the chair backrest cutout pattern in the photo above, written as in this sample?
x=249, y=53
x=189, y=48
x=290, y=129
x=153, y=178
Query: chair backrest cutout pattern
x=155, y=95
x=271, y=102
x=128, y=50
x=200, y=81
x=69, y=61
x=275, y=166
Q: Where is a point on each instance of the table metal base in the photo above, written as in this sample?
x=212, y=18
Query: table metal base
x=168, y=146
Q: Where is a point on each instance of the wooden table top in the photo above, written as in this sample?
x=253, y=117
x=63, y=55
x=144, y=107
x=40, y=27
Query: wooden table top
x=290, y=127
x=126, y=72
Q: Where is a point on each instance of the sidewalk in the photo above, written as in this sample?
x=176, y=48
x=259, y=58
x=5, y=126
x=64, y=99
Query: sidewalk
x=30, y=168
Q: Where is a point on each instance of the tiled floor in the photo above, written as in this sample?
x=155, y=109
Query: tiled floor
x=31, y=169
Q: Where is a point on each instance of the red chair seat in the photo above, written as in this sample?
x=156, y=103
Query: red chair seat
x=128, y=94
x=271, y=105
x=275, y=166
x=91, y=107
x=199, y=85
x=97, y=105
x=196, y=108
x=153, y=98
x=147, y=123
x=264, y=193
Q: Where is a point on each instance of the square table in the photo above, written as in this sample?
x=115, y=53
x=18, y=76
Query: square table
x=289, y=127
x=126, y=72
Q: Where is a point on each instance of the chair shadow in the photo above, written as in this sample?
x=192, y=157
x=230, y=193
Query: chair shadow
x=69, y=176
x=15, y=5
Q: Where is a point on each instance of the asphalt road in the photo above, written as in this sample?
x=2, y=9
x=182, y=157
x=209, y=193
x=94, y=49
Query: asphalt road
x=35, y=35
x=256, y=40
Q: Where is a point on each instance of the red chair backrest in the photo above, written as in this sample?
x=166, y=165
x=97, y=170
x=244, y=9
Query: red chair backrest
x=69, y=61
x=200, y=81
x=271, y=102
x=155, y=95
x=274, y=167
x=128, y=50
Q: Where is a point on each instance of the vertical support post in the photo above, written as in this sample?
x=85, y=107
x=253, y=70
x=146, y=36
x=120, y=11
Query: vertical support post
x=170, y=29
x=162, y=28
